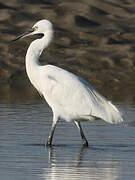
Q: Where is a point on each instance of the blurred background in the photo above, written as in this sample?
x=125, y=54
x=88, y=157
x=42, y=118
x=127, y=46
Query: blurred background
x=94, y=39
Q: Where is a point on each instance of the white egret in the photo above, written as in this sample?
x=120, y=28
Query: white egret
x=70, y=97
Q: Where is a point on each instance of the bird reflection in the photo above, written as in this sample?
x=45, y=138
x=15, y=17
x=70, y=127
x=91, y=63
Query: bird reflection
x=83, y=164
x=79, y=159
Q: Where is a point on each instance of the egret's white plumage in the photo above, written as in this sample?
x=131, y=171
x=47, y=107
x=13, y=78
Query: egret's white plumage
x=69, y=96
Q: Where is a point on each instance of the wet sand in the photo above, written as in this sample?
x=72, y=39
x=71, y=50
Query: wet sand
x=93, y=39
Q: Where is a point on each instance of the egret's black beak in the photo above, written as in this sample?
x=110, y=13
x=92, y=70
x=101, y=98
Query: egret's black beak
x=28, y=33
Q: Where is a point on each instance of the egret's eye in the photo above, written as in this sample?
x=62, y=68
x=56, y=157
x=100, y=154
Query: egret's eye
x=35, y=28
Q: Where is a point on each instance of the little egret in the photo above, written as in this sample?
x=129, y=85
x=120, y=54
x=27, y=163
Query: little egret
x=70, y=97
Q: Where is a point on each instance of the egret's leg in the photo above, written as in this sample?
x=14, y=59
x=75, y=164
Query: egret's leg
x=49, y=141
x=85, y=142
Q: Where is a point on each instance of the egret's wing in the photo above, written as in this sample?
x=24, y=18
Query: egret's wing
x=77, y=97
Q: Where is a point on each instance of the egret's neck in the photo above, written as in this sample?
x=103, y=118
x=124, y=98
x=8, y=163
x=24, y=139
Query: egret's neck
x=32, y=57
x=36, y=47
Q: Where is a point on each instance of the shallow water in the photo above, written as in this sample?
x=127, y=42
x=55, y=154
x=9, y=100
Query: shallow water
x=24, y=129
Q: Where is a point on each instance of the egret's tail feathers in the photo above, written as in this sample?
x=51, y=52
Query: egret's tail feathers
x=113, y=114
x=104, y=109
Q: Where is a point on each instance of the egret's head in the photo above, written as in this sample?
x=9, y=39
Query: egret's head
x=40, y=29
x=42, y=26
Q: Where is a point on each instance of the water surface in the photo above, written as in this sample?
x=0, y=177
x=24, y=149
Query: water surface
x=24, y=129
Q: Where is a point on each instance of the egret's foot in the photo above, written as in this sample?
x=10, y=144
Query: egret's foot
x=85, y=143
x=49, y=144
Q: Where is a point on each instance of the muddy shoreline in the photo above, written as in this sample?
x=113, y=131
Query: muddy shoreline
x=93, y=39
